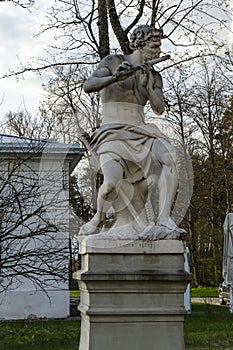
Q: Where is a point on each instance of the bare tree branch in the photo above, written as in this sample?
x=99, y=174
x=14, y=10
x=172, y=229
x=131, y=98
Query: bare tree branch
x=22, y=3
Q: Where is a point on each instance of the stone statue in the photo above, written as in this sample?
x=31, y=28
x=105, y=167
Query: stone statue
x=132, y=155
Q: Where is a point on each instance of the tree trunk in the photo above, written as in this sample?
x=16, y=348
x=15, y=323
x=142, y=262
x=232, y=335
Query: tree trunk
x=117, y=28
x=193, y=250
x=104, y=47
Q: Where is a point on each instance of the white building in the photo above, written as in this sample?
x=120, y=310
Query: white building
x=34, y=236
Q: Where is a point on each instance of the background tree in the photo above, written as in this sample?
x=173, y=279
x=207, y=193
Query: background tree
x=224, y=140
x=29, y=235
x=199, y=112
x=67, y=105
x=179, y=93
x=84, y=33
x=22, y=3
x=199, y=109
x=24, y=124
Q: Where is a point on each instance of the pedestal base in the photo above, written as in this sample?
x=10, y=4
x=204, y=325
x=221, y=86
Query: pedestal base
x=132, y=294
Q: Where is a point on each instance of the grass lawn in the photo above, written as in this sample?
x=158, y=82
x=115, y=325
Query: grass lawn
x=39, y=335
x=199, y=292
x=209, y=327
x=204, y=292
x=75, y=293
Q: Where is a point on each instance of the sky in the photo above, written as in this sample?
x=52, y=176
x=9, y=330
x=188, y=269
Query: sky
x=18, y=44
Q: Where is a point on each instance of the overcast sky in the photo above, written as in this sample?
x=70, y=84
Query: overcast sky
x=17, y=29
x=18, y=44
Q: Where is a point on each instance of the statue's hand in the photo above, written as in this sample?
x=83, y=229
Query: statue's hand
x=145, y=76
x=123, y=71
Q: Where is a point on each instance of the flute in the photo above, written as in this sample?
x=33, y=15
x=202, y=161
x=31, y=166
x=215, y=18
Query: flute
x=147, y=63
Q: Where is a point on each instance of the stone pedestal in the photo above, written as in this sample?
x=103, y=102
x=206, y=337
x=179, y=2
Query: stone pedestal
x=132, y=294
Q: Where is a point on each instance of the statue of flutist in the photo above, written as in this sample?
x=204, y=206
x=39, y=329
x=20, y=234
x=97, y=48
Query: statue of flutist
x=126, y=146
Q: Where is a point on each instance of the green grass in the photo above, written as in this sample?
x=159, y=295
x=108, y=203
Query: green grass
x=75, y=293
x=209, y=327
x=199, y=292
x=204, y=292
x=39, y=335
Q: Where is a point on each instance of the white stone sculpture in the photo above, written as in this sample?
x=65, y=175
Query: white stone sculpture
x=132, y=155
x=227, y=265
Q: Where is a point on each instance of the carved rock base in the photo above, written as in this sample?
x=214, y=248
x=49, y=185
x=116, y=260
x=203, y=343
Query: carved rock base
x=151, y=232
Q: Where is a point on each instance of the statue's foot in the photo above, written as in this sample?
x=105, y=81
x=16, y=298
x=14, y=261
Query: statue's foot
x=89, y=228
x=167, y=222
x=163, y=230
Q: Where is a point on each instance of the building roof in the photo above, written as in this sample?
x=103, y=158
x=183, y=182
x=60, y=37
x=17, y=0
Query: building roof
x=10, y=144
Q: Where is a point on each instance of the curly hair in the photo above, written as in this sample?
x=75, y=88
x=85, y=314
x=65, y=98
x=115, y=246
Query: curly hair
x=142, y=33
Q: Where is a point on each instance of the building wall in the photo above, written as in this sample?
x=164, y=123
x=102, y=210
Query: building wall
x=34, y=199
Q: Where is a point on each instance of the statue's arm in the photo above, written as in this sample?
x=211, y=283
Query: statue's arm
x=110, y=70
x=99, y=79
x=155, y=93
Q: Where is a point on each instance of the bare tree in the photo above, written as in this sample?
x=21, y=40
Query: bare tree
x=22, y=3
x=75, y=114
x=178, y=96
x=224, y=138
x=185, y=23
x=24, y=124
x=86, y=32
x=33, y=240
x=198, y=98
x=68, y=105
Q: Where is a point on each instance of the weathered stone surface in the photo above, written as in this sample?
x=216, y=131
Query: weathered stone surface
x=132, y=294
x=132, y=155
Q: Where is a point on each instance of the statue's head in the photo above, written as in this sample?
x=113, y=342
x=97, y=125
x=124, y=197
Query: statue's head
x=143, y=33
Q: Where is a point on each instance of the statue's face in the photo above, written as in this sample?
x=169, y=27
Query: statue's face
x=151, y=48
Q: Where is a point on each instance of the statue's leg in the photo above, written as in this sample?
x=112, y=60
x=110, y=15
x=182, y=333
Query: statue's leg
x=130, y=206
x=166, y=154
x=113, y=174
